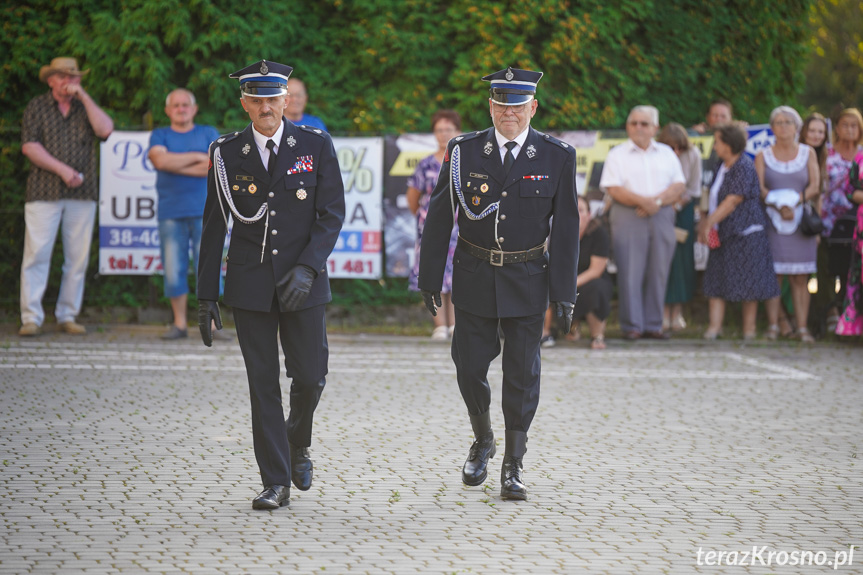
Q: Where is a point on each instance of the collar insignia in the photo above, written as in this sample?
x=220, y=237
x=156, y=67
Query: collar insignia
x=246, y=149
x=487, y=149
x=531, y=151
x=291, y=141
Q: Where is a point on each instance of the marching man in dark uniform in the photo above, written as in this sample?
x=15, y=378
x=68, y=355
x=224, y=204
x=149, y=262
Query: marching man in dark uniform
x=282, y=185
x=506, y=183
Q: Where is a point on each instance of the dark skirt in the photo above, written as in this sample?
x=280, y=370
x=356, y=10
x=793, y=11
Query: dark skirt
x=741, y=269
x=594, y=297
x=681, y=278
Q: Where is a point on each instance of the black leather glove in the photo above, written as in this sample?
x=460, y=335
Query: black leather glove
x=564, y=312
x=208, y=312
x=432, y=300
x=295, y=287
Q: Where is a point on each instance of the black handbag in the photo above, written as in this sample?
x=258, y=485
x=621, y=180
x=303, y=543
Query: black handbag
x=810, y=222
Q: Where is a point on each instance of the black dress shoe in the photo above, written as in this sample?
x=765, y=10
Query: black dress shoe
x=511, y=485
x=272, y=497
x=475, y=469
x=632, y=335
x=301, y=467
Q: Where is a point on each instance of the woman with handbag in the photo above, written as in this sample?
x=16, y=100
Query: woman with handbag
x=740, y=267
x=837, y=212
x=789, y=178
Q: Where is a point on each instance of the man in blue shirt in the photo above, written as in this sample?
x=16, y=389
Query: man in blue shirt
x=295, y=110
x=179, y=154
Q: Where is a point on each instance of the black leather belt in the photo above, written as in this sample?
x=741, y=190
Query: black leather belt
x=498, y=257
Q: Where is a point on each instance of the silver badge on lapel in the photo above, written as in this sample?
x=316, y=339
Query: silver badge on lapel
x=291, y=141
x=246, y=149
x=301, y=194
x=488, y=148
x=531, y=151
x=264, y=69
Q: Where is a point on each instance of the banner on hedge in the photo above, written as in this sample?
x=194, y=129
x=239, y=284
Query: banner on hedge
x=128, y=228
x=128, y=225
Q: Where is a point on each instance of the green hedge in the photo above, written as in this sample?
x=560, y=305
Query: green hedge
x=384, y=66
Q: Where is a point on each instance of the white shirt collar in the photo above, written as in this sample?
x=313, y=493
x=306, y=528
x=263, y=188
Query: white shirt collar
x=634, y=147
x=519, y=140
x=261, y=141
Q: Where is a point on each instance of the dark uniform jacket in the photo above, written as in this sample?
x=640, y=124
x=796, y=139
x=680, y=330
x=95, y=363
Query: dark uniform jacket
x=541, y=184
x=306, y=206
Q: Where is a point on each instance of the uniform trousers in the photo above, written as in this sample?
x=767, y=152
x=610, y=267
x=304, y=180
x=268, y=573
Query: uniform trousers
x=42, y=220
x=643, y=250
x=475, y=343
x=303, y=337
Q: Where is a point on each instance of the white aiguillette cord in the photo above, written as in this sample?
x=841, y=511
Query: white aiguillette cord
x=455, y=183
x=221, y=176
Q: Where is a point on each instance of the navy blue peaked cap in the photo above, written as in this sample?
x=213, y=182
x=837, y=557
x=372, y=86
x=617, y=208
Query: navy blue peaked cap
x=264, y=79
x=513, y=87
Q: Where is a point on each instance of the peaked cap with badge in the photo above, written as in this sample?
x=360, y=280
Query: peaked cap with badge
x=264, y=79
x=513, y=87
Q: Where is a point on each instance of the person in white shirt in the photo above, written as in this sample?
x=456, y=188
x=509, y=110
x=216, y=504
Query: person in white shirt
x=645, y=179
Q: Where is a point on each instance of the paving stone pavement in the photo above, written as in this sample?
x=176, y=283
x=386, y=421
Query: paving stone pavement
x=124, y=454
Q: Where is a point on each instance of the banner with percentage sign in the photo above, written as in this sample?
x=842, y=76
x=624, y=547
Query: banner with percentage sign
x=358, y=251
x=128, y=229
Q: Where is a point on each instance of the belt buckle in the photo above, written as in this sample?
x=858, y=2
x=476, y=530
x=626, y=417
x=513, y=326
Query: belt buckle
x=494, y=253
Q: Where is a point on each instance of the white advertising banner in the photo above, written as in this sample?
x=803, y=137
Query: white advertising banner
x=358, y=250
x=128, y=229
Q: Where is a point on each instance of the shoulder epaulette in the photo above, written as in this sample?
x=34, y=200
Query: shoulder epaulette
x=468, y=136
x=554, y=140
x=222, y=139
x=312, y=130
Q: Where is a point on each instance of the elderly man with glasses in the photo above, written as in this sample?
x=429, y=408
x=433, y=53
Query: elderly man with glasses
x=645, y=179
x=505, y=184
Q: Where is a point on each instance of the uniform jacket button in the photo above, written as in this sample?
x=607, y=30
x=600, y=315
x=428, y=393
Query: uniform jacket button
x=271, y=194
x=275, y=252
x=274, y=232
x=503, y=217
x=503, y=194
x=272, y=212
x=500, y=239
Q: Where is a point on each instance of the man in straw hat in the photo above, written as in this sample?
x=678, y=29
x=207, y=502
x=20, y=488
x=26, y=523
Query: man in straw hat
x=59, y=131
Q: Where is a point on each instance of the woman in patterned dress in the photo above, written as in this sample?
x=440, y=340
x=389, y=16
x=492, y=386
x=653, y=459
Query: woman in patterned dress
x=836, y=207
x=740, y=267
x=789, y=165
x=851, y=320
x=446, y=124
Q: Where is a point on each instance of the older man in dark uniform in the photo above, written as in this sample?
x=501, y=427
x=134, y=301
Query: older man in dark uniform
x=283, y=187
x=506, y=183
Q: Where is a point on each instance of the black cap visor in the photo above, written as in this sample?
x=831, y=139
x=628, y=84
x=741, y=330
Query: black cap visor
x=264, y=89
x=510, y=97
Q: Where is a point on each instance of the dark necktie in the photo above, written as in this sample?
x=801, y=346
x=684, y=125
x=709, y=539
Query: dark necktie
x=271, y=163
x=508, y=159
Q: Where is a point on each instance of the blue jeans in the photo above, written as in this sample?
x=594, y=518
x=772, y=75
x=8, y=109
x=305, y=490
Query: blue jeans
x=177, y=237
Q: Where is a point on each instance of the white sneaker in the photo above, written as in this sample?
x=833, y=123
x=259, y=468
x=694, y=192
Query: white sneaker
x=440, y=333
x=547, y=341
